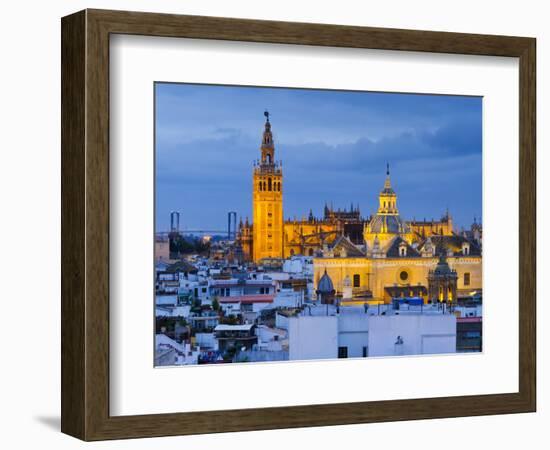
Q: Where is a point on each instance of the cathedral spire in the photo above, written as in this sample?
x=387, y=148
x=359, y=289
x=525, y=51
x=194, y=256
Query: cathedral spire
x=267, y=147
x=267, y=140
x=387, y=183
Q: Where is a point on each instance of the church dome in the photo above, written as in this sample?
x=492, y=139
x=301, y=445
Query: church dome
x=388, y=224
x=325, y=285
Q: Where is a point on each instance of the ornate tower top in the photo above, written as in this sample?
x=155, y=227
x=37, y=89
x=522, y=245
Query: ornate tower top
x=388, y=197
x=387, y=184
x=267, y=139
x=267, y=162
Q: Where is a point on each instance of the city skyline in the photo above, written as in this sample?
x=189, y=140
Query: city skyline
x=334, y=146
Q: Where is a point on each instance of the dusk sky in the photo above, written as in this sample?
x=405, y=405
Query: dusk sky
x=334, y=146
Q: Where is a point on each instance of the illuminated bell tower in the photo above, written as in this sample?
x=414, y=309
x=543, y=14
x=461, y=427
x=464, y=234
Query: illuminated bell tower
x=267, y=201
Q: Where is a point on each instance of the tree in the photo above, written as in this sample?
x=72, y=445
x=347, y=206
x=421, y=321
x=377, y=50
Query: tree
x=215, y=304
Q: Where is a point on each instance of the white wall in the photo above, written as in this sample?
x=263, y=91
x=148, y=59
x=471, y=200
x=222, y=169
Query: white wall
x=29, y=176
x=207, y=340
x=421, y=334
x=353, y=333
x=312, y=337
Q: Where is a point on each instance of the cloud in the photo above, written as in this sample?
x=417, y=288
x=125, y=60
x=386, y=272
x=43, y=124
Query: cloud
x=334, y=148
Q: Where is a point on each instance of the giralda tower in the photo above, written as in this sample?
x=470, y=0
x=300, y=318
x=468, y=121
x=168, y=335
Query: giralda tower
x=267, y=201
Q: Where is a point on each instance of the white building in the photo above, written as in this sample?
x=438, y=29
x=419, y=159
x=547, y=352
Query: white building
x=171, y=353
x=239, y=288
x=234, y=305
x=166, y=299
x=271, y=339
x=419, y=334
x=299, y=265
x=206, y=341
x=312, y=337
x=325, y=331
x=353, y=333
x=172, y=311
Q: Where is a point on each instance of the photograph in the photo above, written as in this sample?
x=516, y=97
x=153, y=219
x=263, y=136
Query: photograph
x=305, y=224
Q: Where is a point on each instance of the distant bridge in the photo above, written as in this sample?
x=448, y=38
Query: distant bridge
x=166, y=233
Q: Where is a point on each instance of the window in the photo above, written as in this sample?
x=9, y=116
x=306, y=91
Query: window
x=342, y=352
x=269, y=214
x=365, y=352
x=403, y=251
x=356, y=280
x=467, y=279
x=404, y=276
x=269, y=184
x=260, y=186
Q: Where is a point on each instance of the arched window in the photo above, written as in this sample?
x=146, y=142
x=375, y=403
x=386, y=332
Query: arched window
x=260, y=186
x=268, y=158
x=269, y=184
x=263, y=183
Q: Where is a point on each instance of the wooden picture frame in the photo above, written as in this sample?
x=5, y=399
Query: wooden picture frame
x=85, y=224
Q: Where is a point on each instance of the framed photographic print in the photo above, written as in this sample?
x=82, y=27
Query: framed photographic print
x=273, y=225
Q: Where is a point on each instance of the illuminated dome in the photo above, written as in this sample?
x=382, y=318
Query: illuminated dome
x=382, y=223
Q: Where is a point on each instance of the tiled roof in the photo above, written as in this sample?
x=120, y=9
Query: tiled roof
x=393, y=250
x=454, y=244
x=343, y=243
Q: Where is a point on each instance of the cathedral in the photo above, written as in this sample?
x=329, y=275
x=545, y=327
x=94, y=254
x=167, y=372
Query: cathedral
x=378, y=257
